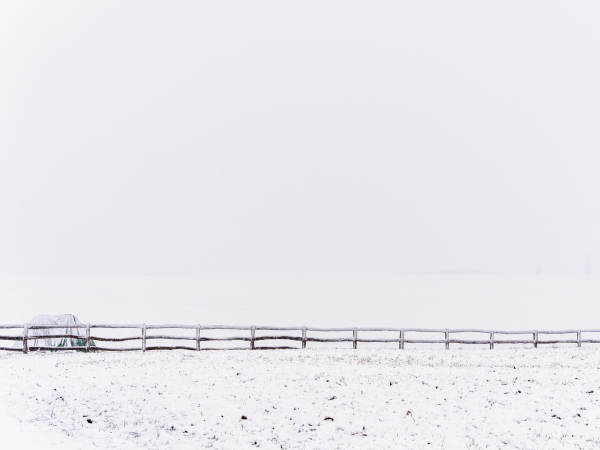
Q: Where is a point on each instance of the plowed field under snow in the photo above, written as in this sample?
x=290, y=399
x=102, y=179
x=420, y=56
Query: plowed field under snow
x=543, y=398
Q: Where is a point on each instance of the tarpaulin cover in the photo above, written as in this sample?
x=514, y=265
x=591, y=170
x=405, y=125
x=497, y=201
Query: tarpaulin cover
x=66, y=321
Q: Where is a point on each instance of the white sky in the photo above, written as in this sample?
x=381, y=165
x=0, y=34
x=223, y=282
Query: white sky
x=308, y=137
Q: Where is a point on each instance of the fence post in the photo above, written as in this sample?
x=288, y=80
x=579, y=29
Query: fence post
x=198, y=337
x=252, y=334
x=354, y=336
x=25, y=337
x=304, y=336
x=143, y=337
x=447, y=339
x=87, y=338
x=535, y=338
x=492, y=340
x=401, y=339
x=579, y=338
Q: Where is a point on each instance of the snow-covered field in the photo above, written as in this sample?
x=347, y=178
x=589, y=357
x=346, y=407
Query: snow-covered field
x=467, y=398
x=543, y=302
x=307, y=399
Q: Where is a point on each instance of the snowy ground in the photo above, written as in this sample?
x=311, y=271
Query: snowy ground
x=314, y=398
x=543, y=302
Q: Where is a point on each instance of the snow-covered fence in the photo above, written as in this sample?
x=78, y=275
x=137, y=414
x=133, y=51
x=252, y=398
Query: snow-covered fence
x=404, y=337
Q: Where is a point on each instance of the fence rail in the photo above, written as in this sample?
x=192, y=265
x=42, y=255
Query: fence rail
x=253, y=339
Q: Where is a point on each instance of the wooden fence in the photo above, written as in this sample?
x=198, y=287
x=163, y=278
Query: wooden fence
x=251, y=337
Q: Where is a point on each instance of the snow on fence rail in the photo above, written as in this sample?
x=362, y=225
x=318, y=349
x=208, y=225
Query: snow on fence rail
x=402, y=338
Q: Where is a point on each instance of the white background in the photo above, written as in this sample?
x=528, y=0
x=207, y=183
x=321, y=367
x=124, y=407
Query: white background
x=313, y=137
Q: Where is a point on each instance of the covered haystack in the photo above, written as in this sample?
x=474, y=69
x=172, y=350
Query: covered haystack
x=66, y=322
